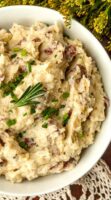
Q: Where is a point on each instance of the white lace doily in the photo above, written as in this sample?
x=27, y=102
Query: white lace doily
x=96, y=185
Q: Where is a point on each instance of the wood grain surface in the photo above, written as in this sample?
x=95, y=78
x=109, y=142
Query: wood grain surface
x=107, y=156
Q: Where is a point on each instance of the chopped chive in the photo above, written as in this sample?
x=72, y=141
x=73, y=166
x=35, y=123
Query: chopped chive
x=14, y=97
x=29, y=67
x=33, y=109
x=55, y=56
x=11, y=85
x=23, y=52
x=80, y=134
x=25, y=114
x=65, y=95
x=16, y=49
x=10, y=111
x=23, y=145
x=13, y=55
x=29, y=64
x=11, y=122
x=49, y=112
x=45, y=125
x=62, y=106
x=20, y=135
x=32, y=62
x=65, y=119
x=54, y=100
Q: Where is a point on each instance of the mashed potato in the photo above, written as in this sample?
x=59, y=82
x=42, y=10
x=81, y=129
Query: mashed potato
x=45, y=132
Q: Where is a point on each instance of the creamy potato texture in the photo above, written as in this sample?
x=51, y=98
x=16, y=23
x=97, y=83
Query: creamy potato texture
x=51, y=101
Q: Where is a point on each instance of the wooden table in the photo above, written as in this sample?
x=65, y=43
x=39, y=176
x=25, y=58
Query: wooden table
x=107, y=156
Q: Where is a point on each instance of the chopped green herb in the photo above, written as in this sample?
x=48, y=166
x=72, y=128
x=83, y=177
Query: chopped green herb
x=65, y=95
x=80, y=134
x=23, y=145
x=11, y=85
x=24, y=52
x=33, y=109
x=45, y=125
x=20, y=135
x=65, y=119
x=48, y=112
x=29, y=67
x=32, y=62
x=31, y=93
x=62, y=106
x=11, y=122
x=29, y=64
x=24, y=114
x=54, y=100
x=14, y=96
x=10, y=111
x=13, y=55
x=16, y=49
x=55, y=56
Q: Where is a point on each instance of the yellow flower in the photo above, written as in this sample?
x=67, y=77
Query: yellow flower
x=24, y=2
x=109, y=1
x=64, y=10
x=52, y=3
x=32, y=2
x=92, y=2
x=100, y=22
x=79, y=2
x=69, y=3
x=109, y=45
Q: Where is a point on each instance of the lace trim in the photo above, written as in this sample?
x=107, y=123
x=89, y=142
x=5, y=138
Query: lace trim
x=96, y=185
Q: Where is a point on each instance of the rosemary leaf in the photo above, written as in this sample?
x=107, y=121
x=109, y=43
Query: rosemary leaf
x=31, y=93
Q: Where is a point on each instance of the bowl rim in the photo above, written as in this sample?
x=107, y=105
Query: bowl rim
x=7, y=8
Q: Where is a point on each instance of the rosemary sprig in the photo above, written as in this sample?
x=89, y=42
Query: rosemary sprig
x=31, y=93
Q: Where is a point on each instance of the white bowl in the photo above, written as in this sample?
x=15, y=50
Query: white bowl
x=27, y=15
